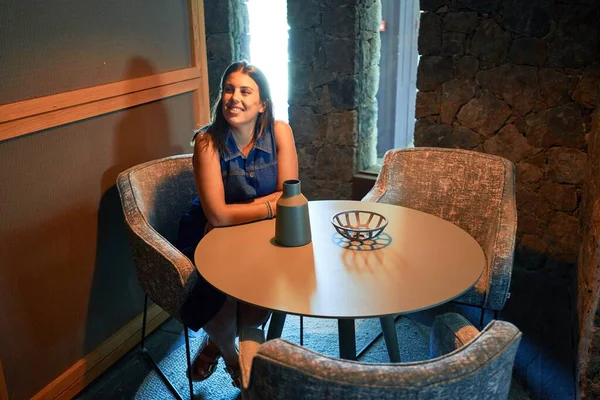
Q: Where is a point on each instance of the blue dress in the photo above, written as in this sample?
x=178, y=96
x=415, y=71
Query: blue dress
x=244, y=178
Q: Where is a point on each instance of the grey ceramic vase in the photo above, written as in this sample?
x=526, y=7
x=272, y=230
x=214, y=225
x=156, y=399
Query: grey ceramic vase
x=292, y=225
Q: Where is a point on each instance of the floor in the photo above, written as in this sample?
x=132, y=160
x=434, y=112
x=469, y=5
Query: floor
x=133, y=377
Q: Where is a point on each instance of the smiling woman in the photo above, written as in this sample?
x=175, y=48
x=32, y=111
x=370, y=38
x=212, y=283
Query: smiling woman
x=241, y=160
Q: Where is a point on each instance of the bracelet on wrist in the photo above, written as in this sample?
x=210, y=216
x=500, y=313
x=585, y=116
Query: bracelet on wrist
x=269, y=210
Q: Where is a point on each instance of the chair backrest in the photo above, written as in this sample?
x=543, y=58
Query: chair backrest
x=473, y=190
x=155, y=195
x=464, y=187
x=481, y=369
x=163, y=191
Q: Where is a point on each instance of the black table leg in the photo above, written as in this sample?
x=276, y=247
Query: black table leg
x=347, y=339
x=388, y=327
x=276, y=325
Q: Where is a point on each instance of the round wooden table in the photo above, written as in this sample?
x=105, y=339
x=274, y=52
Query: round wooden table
x=418, y=262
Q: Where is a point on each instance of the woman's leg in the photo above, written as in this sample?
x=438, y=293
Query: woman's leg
x=222, y=330
x=251, y=316
x=223, y=327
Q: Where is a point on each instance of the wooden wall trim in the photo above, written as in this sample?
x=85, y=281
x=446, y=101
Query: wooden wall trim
x=199, y=61
x=78, y=112
x=26, y=108
x=73, y=380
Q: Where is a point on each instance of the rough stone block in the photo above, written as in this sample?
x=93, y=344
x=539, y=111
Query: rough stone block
x=566, y=165
x=342, y=128
x=427, y=104
x=560, y=197
x=485, y=114
x=528, y=51
x=453, y=43
x=303, y=14
x=571, y=46
x=343, y=93
x=463, y=22
x=587, y=89
x=455, y=93
x=554, y=86
x=430, y=34
x=490, y=42
x=465, y=66
x=508, y=143
x=528, y=18
x=560, y=126
x=433, y=71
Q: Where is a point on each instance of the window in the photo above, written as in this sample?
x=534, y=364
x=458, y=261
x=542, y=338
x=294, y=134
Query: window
x=269, y=48
x=396, y=97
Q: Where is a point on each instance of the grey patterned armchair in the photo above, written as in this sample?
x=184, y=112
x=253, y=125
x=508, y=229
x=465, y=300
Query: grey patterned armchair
x=464, y=364
x=475, y=191
x=154, y=196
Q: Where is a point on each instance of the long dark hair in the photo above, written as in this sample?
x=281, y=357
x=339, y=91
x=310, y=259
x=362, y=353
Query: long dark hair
x=218, y=128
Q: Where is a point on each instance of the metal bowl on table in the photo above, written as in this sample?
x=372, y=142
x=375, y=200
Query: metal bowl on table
x=359, y=225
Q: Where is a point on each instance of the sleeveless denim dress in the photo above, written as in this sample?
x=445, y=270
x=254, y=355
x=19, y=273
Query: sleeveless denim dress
x=244, y=178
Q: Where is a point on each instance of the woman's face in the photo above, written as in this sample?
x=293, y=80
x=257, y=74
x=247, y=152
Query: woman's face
x=241, y=100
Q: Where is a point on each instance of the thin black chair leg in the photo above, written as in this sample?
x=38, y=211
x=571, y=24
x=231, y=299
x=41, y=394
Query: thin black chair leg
x=496, y=314
x=189, y=361
x=148, y=356
x=301, y=331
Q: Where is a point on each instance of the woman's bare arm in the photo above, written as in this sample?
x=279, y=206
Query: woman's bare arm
x=287, y=158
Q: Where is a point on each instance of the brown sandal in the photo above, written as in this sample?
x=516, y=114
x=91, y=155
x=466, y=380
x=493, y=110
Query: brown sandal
x=236, y=375
x=206, y=361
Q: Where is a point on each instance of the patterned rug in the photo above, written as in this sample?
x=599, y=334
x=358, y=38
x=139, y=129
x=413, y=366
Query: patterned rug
x=319, y=335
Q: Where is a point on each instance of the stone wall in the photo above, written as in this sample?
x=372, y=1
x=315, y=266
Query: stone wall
x=511, y=78
x=588, y=271
x=519, y=79
x=334, y=51
x=226, y=24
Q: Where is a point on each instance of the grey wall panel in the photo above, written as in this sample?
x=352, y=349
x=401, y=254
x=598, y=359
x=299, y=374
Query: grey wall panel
x=54, y=46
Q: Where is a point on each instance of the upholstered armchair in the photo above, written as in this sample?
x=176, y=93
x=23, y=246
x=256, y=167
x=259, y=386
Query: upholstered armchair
x=154, y=196
x=464, y=364
x=475, y=191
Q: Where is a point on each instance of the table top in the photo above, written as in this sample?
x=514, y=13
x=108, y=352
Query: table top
x=420, y=261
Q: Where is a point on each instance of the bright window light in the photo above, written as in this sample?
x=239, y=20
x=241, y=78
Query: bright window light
x=269, y=48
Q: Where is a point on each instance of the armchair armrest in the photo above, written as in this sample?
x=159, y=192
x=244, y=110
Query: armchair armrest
x=250, y=340
x=166, y=275
x=501, y=257
x=450, y=331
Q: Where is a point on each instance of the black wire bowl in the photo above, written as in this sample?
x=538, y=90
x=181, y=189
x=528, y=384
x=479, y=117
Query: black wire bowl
x=359, y=225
